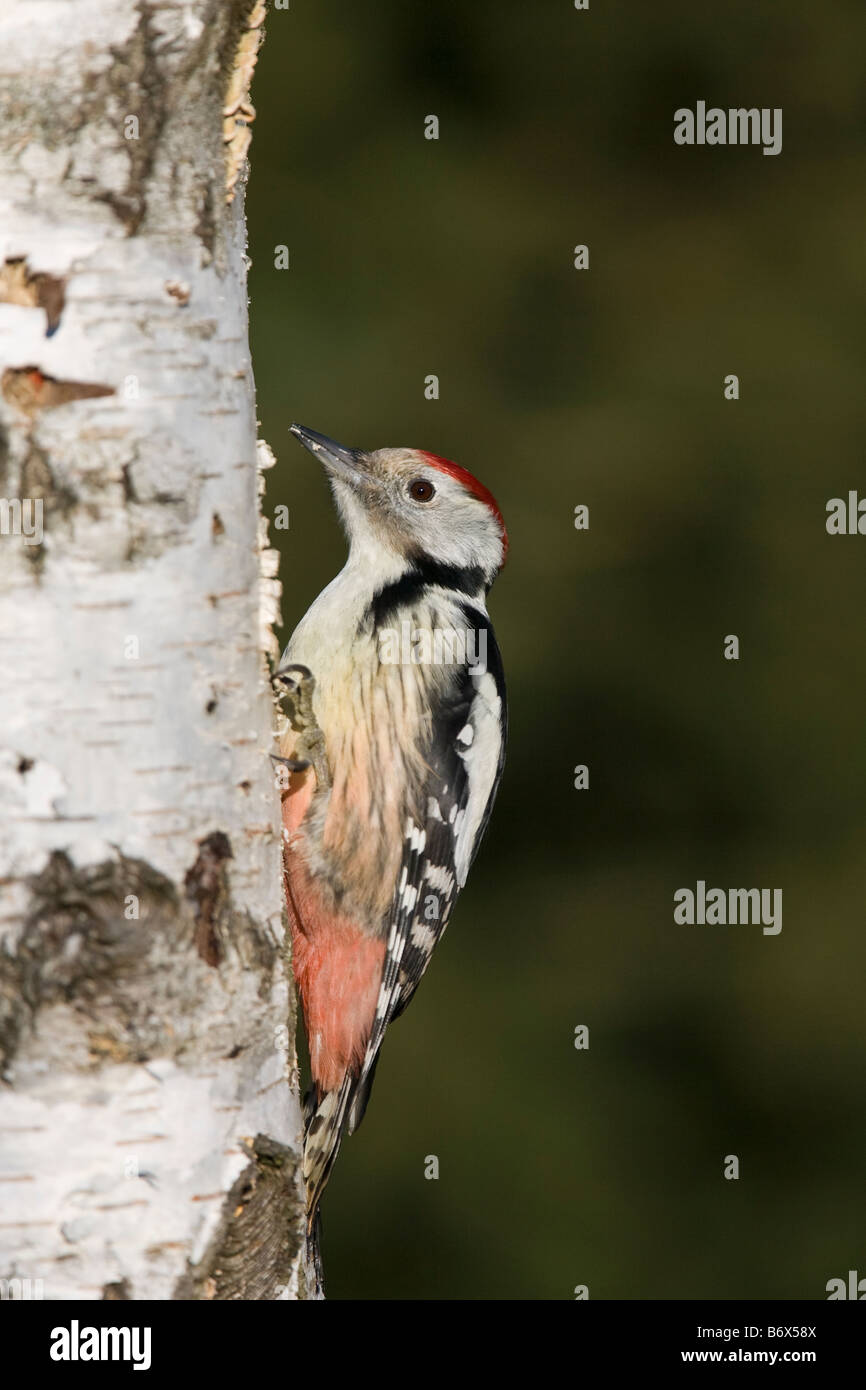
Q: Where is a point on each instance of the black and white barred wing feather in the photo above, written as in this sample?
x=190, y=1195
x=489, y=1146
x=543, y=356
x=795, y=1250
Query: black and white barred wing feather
x=465, y=761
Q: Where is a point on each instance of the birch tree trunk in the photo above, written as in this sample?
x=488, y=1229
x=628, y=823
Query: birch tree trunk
x=149, y=1115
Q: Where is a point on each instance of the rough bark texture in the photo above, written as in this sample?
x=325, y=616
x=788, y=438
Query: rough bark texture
x=149, y=1117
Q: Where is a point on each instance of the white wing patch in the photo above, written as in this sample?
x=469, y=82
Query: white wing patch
x=439, y=877
x=423, y=935
x=481, y=753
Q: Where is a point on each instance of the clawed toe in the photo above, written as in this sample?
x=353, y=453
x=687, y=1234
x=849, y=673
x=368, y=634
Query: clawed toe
x=293, y=764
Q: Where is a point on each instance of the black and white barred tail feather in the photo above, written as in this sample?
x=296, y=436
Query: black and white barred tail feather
x=326, y=1122
x=314, y=1273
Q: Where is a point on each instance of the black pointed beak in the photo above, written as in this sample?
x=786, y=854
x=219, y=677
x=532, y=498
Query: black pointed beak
x=344, y=463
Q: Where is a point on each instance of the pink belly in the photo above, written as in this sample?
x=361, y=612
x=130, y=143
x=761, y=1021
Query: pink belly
x=337, y=965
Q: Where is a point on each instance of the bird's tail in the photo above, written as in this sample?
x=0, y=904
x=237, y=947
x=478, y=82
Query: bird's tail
x=314, y=1273
x=326, y=1121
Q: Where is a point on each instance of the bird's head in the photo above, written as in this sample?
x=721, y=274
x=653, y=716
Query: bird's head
x=412, y=507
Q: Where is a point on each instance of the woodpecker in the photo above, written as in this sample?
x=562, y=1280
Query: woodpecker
x=394, y=748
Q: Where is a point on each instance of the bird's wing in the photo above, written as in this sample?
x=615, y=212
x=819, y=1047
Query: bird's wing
x=465, y=759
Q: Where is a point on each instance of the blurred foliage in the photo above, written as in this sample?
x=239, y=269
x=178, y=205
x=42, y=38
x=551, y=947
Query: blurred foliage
x=604, y=387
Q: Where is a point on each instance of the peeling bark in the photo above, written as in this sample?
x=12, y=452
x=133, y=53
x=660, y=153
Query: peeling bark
x=149, y=1115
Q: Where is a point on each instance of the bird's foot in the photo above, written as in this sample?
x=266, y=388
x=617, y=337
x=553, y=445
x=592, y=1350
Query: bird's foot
x=295, y=685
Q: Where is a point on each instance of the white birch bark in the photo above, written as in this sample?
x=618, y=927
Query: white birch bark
x=149, y=1116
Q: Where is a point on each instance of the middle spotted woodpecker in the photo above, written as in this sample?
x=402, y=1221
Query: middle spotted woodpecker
x=394, y=748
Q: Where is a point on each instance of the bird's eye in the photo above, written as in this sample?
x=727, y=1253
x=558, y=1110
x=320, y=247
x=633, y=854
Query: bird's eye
x=421, y=490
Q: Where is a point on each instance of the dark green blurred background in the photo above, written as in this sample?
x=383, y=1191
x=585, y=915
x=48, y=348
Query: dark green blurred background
x=707, y=517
